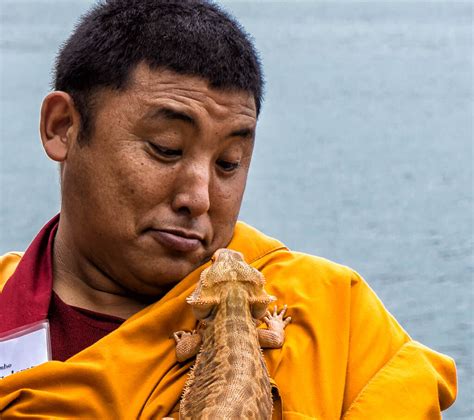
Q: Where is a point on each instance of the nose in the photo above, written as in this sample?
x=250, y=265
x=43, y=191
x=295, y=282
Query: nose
x=192, y=190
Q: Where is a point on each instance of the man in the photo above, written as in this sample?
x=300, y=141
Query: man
x=153, y=121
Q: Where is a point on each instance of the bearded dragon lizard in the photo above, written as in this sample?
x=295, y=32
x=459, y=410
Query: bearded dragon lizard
x=229, y=379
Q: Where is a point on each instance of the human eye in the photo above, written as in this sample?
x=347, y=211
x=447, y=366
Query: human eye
x=165, y=152
x=227, y=166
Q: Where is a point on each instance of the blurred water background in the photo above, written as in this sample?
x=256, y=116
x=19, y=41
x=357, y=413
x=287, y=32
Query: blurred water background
x=364, y=148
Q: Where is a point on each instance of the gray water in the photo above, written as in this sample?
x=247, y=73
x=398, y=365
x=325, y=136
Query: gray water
x=364, y=148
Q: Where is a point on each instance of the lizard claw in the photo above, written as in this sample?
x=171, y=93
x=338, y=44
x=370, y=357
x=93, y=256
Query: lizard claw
x=277, y=318
x=282, y=312
x=273, y=336
x=187, y=344
x=179, y=335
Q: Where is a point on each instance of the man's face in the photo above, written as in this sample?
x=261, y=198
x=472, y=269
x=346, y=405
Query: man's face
x=159, y=186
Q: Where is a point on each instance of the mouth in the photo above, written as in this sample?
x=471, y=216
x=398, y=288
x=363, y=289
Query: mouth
x=177, y=240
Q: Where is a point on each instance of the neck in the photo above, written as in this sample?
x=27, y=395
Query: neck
x=81, y=283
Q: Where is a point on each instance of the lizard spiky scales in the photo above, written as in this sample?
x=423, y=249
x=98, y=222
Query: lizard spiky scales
x=229, y=379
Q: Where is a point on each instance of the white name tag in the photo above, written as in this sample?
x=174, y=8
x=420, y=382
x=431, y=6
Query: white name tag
x=24, y=348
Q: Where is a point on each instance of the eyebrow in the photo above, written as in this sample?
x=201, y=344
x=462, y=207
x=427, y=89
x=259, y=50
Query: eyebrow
x=246, y=133
x=171, y=114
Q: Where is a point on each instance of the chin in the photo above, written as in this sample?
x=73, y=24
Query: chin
x=155, y=268
x=155, y=278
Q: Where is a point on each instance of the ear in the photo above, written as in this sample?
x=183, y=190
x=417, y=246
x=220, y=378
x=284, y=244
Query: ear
x=59, y=125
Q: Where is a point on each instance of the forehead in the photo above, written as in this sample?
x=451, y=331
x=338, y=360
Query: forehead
x=152, y=88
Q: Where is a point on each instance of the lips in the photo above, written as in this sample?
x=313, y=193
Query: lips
x=176, y=240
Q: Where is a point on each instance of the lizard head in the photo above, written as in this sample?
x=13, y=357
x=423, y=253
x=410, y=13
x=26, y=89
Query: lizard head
x=228, y=268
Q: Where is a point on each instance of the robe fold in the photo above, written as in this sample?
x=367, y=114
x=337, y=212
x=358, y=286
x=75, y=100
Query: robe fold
x=344, y=355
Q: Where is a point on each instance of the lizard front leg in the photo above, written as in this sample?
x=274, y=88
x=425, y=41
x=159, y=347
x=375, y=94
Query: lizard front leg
x=274, y=335
x=187, y=344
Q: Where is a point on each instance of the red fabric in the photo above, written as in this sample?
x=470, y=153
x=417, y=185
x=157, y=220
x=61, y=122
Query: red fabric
x=73, y=329
x=27, y=298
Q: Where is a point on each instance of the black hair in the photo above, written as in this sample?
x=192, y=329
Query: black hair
x=191, y=37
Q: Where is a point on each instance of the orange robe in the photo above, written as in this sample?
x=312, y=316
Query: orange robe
x=344, y=356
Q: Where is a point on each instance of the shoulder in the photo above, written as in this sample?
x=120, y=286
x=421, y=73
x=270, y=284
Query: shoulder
x=296, y=275
x=312, y=280
x=8, y=264
x=308, y=271
x=271, y=256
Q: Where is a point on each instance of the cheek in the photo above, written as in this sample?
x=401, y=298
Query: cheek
x=122, y=186
x=224, y=212
x=142, y=183
x=228, y=198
